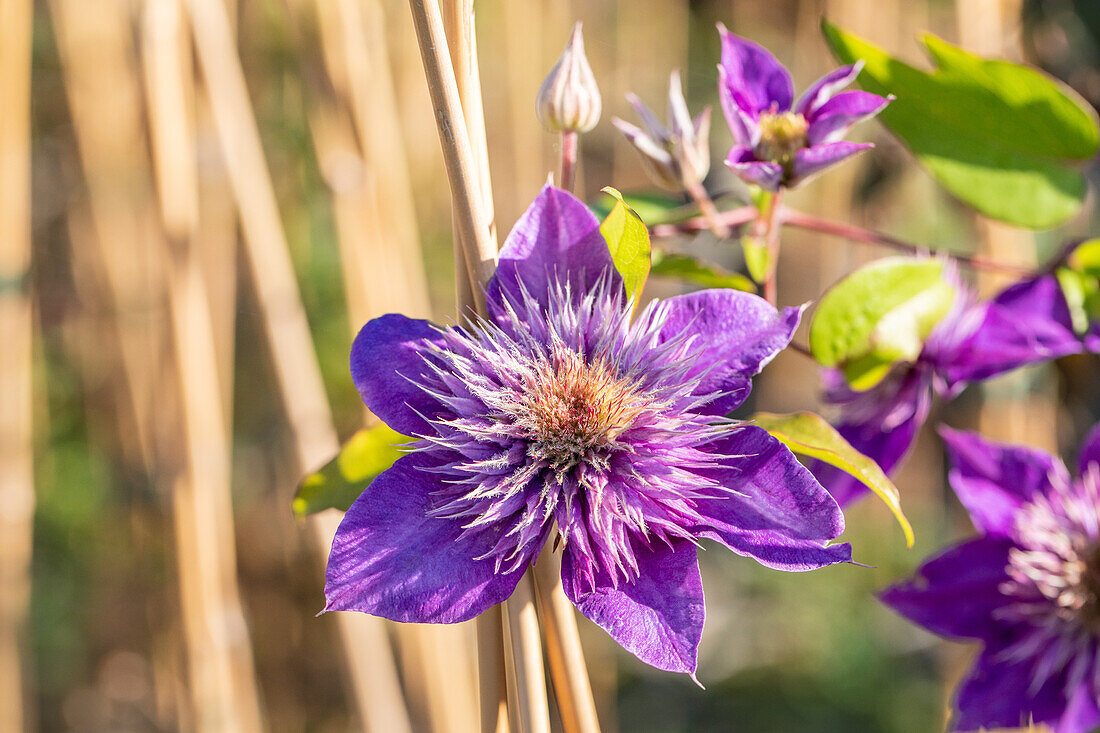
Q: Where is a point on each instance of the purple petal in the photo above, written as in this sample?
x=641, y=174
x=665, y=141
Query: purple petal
x=743, y=124
x=811, y=161
x=558, y=237
x=754, y=78
x=766, y=175
x=822, y=90
x=736, y=334
x=1027, y=323
x=780, y=515
x=390, y=559
x=1090, y=451
x=1082, y=714
x=992, y=480
x=387, y=363
x=834, y=118
x=956, y=593
x=997, y=694
x=658, y=617
x=881, y=423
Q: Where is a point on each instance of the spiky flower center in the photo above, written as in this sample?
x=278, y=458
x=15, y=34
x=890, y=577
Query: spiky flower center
x=573, y=411
x=782, y=134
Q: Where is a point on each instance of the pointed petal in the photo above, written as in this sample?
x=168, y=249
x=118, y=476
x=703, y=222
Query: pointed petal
x=1026, y=323
x=1089, y=453
x=679, y=119
x=822, y=90
x=736, y=335
x=809, y=162
x=783, y=517
x=754, y=78
x=743, y=125
x=390, y=559
x=834, y=118
x=657, y=618
x=652, y=124
x=766, y=175
x=956, y=593
x=997, y=694
x=557, y=237
x=992, y=480
x=387, y=363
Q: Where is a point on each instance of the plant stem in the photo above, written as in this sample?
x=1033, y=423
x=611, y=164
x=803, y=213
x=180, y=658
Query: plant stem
x=858, y=234
x=525, y=665
x=710, y=213
x=731, y=218
x=767, y=228
x=563, y=645
x=569, y=140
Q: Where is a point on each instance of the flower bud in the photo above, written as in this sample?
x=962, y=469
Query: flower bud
x=676, y=157
x=569, y=100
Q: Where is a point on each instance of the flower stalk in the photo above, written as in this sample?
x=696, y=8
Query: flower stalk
x=569, y=144
x=767, y=228
x=709, y=211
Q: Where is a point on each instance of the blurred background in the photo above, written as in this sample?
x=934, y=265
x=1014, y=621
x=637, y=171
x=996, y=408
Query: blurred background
x=221, y=191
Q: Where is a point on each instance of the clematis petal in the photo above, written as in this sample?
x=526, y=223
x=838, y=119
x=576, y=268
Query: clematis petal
x=387, y=360
x=881, y=423
x=1090, y=451
x=557, y=238
x=390, y=559
x=822, y=90
x=833, y=119
x=736, y=335
x=1082, y=714
x=810, y=161
x=997, y=694
x=658, y=617
x=992, y=480
x=780, y=515
x=754, y=78
x=956, y=593
x=1028, y=322
x=766, y=175
x=742, y=123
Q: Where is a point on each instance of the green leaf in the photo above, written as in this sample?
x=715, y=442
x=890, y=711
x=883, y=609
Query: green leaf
x=653, y=208
x=756, y=257
x=1080, y=281
x=699, y=273
x=879, y=315
x=999, y=136
x=808, y=434
x=340, y=482
x=628, y=239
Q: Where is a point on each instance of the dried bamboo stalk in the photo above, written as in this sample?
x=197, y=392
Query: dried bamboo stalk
x=530, y=710
x=16, y=323
x=220, y=655
x=297, y=372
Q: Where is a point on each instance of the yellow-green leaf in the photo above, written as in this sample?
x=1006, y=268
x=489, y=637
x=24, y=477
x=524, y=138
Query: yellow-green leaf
x=628, y=240
x=340, y=482
x=699, y=273
x=808, y=434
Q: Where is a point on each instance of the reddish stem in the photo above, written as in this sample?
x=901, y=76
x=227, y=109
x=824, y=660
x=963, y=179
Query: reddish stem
x=568, y=159
x=859, y=234
x=767, y=228
x=709, y=211
x=731, y=218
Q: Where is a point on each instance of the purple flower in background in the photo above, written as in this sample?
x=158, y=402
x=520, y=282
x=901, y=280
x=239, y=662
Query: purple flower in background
x=1028, y=588
x=558, y=410
x=1027, y=323
x=777, y=144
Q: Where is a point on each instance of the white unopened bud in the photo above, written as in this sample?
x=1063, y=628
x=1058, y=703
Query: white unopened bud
x=569, y=100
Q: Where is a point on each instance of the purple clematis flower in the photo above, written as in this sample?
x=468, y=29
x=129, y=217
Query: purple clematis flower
x=1028, y=588
x=1026, y=323
x=559, y=414
x=779, y=142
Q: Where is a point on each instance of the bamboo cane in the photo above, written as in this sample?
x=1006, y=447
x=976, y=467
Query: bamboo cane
x=295, y=364
x=16, y=322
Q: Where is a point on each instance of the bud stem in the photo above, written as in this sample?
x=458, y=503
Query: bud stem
x=708, y=210
x=767, y=228
x=569, y=141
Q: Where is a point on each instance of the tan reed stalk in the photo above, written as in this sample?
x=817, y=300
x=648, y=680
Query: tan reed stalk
x=437, y=661
x=526, y=64
x=298, y=375
x=220, y=655
x=523, y=660
x=568, y=669
x=16, y=324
